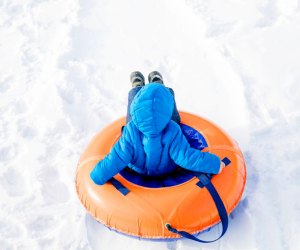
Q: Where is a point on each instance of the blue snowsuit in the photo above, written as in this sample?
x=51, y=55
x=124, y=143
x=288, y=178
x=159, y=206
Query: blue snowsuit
x=151, y=143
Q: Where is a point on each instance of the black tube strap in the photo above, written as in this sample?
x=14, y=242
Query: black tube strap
x=204, y=181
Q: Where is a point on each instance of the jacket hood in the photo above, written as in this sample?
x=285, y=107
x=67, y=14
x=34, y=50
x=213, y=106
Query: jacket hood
x=152, y=108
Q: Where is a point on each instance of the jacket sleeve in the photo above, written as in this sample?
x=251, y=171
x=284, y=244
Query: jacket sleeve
x=189, y=158
x=118, y=158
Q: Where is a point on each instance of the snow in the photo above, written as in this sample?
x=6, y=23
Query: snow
x=64, y=75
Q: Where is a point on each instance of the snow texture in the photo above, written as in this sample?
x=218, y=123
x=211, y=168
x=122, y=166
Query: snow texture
x=64, y=75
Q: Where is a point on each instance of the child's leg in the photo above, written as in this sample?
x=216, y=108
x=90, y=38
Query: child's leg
x=175, y=115
x=131, y=95
x=137, y=82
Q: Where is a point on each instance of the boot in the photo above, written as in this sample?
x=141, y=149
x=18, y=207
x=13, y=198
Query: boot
x=155, y=76
x=137, y=79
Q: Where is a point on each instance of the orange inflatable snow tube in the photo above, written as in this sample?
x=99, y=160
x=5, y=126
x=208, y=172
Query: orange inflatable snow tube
x=144, y=211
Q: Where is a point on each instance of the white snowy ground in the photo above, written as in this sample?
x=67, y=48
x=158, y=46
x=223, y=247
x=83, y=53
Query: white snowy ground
x=64, y=68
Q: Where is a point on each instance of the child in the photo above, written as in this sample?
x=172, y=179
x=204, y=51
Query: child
x=152, y=142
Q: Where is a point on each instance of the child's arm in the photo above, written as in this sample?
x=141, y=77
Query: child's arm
x=192, y=159
x=118, y=158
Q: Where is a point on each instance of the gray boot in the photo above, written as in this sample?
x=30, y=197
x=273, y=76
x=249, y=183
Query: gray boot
x=137, y=79
x=155, y=76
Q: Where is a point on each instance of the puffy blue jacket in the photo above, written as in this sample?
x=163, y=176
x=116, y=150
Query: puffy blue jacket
x=151, y=143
